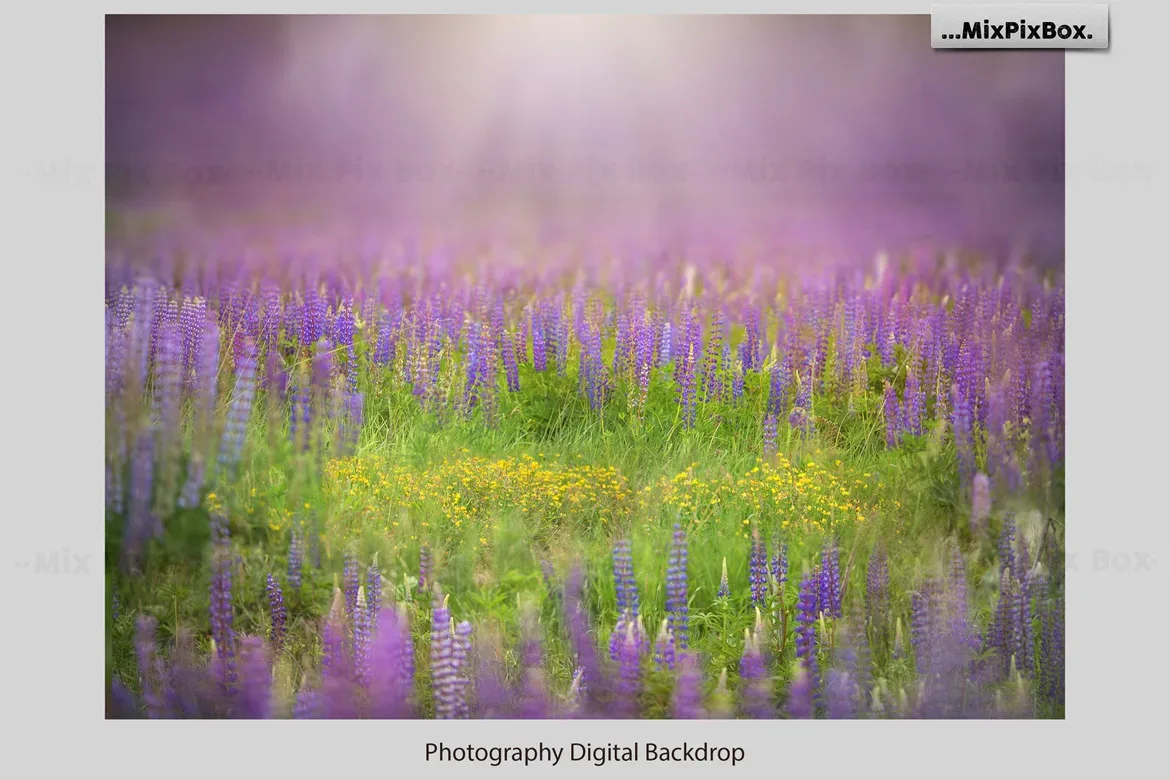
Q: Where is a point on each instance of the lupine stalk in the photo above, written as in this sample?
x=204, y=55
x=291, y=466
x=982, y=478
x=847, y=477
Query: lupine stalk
x=758, y=570
x=806, y=632
x=677, y=601
x=240, y=410
x=278, y=614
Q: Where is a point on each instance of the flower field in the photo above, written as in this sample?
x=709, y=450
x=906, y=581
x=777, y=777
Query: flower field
x=389, y=480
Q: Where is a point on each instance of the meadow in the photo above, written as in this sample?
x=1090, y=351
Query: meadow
x=468, y=481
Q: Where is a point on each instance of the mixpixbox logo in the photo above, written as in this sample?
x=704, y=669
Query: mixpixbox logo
x=61, y=561
x=1020, y=26
x=1100, y=560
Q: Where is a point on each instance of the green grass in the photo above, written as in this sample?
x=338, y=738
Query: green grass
x=913, y=494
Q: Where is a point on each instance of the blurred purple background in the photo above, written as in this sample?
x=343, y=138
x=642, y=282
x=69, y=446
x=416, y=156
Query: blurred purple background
x=837, y=131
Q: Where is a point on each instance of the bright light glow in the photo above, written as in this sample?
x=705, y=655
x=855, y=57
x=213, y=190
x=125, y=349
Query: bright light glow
x=668, y=124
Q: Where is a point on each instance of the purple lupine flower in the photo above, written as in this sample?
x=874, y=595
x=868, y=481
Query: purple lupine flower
x=665, y=655
x=425, y=563
x=962, y=635
x=1002, y=462
x=801, y=417
x=859, y=666
x=1052, y=652
x=913, y=405
x=1006, y=544
x=164, y=314
x=806, y=628
x=802, y=692
x=724, y=585
x=309, y=705
x=323, y=366
x=253, y=699
x=300, y=427
x=1003, y=633
x=477, y=347
x=1022, y=559
x=388, y=687
x=841, y=695
x=1025, y=650
x=618, y=636
x=665, y=346
x=540, y=344
x=335, y=661
x=710, y=382
x=352, y=583
x=192, y=317
x=758, y=570
x=296, y=560
x=622, y=347
x=877, y=591
x=778, y=388
x=406, y=668
x=770, y=432
x=277, y=613
x=141, y=522
x=384, y=348
x=961, y=421
x=232, y=446
x=121, y=703
x=272, y=315
x=625, y=586
x=593, y=367
x=780, y=566
x=352, y=423
x=511, y=366
x=493, y=697
x=677, y=602
x=343, y=330
x=444, y=674
x=685, y=379
x=927, y=628
x=629, y=670
x=374, y=592
x=830, y=581
x=562, y=342
x=532, y=697
x=313, y=318
x=205, y=388
x=849, y=338
x=462, y=644
x=363, y=636
x=687, y=702
x=755, y=687
x=750, y=349
x=169, y=413
x=222, y=613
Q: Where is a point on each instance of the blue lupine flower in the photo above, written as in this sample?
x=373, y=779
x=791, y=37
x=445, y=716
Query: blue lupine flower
x=677, y=601
x=278, y=614
x=758, y=570
x=806, y=631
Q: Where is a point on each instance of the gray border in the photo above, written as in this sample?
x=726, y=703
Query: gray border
x=52, y=78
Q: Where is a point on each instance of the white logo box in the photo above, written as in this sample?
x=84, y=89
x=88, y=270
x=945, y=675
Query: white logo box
x=1019, y=26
